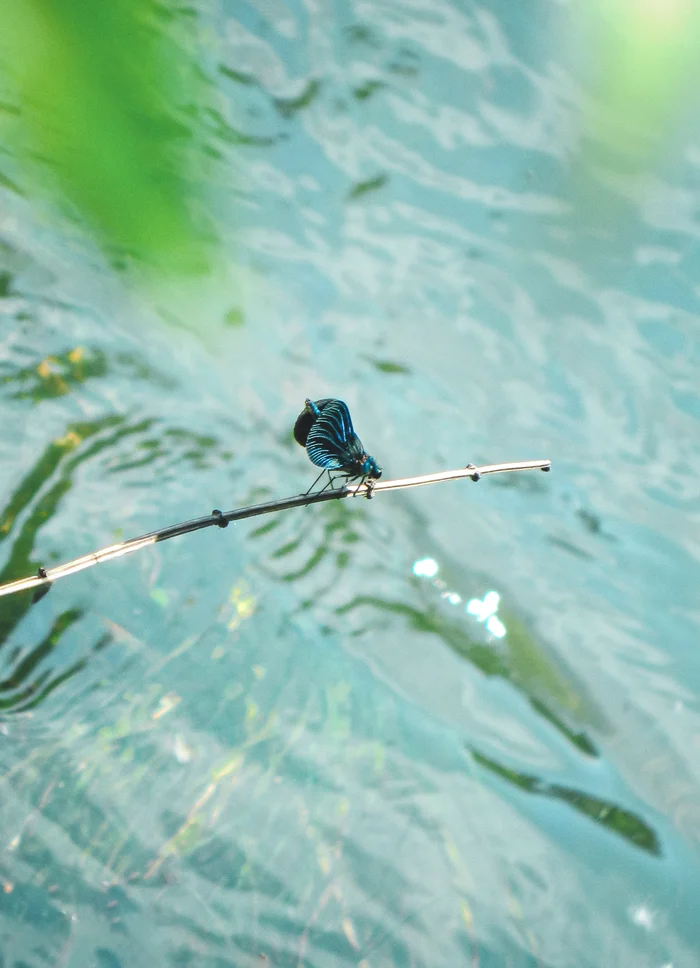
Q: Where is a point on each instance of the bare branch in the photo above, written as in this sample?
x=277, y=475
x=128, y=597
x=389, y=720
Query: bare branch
x=45, y=577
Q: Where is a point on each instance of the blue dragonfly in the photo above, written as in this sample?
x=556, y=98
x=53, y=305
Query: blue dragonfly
x=325, y=428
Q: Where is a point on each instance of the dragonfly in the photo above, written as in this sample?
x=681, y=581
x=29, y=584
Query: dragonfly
x=325, y=428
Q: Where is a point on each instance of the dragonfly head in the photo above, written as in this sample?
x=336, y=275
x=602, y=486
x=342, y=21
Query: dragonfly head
x=370, y=468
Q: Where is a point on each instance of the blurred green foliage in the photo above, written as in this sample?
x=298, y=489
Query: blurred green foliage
x=104, y=108
x=645, y=55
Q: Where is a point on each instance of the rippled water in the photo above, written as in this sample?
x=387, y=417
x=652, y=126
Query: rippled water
x=293, y=742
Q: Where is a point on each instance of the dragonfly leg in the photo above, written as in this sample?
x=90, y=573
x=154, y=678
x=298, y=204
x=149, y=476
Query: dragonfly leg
x=362, y=481
x=331, y=479
x=316, y=482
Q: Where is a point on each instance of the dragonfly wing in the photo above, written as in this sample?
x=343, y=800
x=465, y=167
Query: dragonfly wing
x=308, y=417
x=331, y=441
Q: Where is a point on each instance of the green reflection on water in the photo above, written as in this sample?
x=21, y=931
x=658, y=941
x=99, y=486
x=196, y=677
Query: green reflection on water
x=55, y=375
x=365, y=187
x=622, y=822
x=56, y=463
x=26, y=686
x=26, y=695
x=366, y=90
x=38, y=497
x=522, y=662
x=388, y=366
x=288, y=107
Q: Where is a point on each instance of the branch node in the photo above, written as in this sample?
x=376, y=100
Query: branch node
x=220, y=519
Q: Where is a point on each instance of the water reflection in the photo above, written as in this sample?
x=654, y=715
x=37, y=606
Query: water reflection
x=535, y=681
x=17, y=693
x=315, y=552
x=619, y=821
x=123, y=447
x=55, y=375
x=27, y=684
x=288, y=107
x=273, y=772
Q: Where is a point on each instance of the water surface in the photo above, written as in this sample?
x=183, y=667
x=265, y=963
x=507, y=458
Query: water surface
x=299, y=741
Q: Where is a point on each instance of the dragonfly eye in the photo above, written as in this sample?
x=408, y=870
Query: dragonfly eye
x=370, y=469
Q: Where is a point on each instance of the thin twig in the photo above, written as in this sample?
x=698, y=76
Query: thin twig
x=44, y=578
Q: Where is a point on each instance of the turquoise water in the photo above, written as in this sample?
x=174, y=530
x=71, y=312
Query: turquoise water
x=292, y=742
